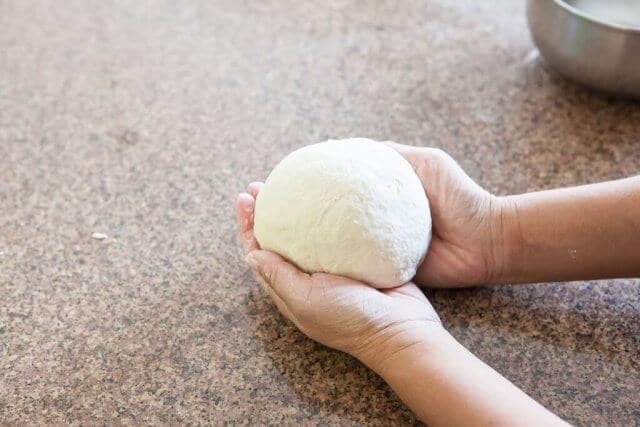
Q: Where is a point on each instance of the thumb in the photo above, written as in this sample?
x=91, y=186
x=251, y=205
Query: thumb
x=411, y=153
x=287, y=282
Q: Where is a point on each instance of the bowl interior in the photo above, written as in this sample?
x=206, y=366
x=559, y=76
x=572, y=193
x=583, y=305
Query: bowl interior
x=619, y=13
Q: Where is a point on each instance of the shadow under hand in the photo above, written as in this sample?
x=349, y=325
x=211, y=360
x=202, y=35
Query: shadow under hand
x=592, y=317
x=324, y=385
x=597, y=318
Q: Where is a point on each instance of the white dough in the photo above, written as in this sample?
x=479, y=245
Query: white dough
x=351, y=207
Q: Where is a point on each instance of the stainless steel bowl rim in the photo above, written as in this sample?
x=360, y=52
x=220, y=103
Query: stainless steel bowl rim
x=594, y=19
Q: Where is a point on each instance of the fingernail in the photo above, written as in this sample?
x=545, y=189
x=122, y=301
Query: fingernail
x=248, y=202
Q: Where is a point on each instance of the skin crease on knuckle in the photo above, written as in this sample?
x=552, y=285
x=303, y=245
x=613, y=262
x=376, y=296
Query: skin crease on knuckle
x=270, y=274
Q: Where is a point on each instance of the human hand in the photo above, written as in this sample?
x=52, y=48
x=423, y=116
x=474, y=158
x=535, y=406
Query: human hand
x=395, y=331
x=466, y=244
x=341, y=313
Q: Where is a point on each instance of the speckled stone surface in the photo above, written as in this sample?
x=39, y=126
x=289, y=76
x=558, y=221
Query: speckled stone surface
x=143, y=120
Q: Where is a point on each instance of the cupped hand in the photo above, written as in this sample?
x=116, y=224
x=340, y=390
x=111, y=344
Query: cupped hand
x=466, y=239
x=338, y=312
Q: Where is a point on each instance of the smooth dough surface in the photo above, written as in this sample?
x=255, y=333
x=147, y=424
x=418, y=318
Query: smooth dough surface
x=351, y=207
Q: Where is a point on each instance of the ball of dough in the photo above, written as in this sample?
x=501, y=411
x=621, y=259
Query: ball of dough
x=351, y=207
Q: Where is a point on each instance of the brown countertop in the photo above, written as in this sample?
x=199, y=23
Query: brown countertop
x=144, y=120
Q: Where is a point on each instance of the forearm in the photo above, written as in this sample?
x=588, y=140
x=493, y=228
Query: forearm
x=578, y=233
x=444, y=384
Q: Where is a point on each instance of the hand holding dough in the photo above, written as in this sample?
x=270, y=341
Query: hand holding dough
x=351, y=207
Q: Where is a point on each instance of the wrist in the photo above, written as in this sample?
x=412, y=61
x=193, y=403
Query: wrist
x=506, y=238
x=400, y=343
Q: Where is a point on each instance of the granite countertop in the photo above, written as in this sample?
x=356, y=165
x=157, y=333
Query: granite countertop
x=143, y=120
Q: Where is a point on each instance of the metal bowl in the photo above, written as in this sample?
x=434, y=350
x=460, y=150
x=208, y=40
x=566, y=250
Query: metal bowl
x=583, y=43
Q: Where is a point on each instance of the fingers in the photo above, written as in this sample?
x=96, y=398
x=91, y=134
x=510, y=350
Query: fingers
x=422, y=159
x=438, y=172
x=282, y=307
x=288, y=283
x=269, y=268
x=418, y=155
x=400, y=148
x=245, y=206
x=254, y=188
x=413, y=155
x=409, y=289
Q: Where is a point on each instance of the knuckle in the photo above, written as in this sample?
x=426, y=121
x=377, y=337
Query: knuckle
x=271, y=275
x=438, y=155
x=423, y=167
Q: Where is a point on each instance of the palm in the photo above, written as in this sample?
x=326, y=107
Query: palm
x=339, y=312
x=459, y=248
x=459, y=253
x=343, y=313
